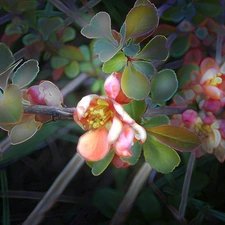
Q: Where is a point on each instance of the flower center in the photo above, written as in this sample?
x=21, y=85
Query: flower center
x=98, y=116
x=215, y=80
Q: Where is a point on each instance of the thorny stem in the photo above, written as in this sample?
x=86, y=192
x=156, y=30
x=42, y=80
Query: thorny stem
x=131, y=195
x=55, y=190
x=186, y=185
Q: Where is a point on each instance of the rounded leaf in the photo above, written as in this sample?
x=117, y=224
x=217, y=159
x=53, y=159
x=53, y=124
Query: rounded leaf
x=115, y=64
x=11, y=108
x=26, y=73
x=141, y=21
x=133, y=78
x=161, y=157
x=164, y=85
x=72, y=70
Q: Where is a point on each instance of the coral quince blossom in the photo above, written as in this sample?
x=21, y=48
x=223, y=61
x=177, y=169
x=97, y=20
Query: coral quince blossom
x=114, y=90
x=109, y=127
x=211, y=79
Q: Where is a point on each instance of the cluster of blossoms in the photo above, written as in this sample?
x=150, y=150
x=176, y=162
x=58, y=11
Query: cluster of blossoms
x=108, y=125
x=207, y=89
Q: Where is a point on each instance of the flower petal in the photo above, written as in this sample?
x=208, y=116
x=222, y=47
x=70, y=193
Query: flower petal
x=140, y=133
x=93, y=145
x=123, y=114
x=83, y=105
x=207, y=64
x=115, y=130
x=124, y=142
x=112, y=86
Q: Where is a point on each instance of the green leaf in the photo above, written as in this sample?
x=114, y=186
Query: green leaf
x=84, y=49
x=71, y=52
x=141, y=21
x=161, y=157
x=99, y=166
x=105, y=49
x=30, y=39
x=179, y=46
x=69, y=34
x=184, y=74
x=24, y=130
x=155, y=49
x=6, y=58
x=107, y=200
x=26, y=73
x=164, y=85
x=115, y=64
x=209, y=8
x=11, y=108
x=131, y=49
x=136, y=151
x=4, y=76
x=175, y=137
x=144, y=67
x=173, y=13
x=135, y=109
x=72, y=70
x=100, y=27
x=58, y=61
x=133, y=78
x=156, y=121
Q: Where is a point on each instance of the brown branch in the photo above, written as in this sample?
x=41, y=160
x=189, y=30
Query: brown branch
x=57, y=113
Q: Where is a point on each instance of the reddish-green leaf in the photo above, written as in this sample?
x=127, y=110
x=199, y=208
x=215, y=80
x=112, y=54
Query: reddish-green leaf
x=161, y=157
x=11, y=108
x=141, y=21
x=176, y=137
x=133, y=78
x=26, y=73
x=155, y=49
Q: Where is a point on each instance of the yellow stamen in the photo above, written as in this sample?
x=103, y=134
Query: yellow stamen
x=215, y=80
x=99, y=115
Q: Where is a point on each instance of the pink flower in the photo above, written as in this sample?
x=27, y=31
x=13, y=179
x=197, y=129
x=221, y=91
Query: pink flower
x=46, y=93
x=211, y=79
x=113, y=88
x=109, y=127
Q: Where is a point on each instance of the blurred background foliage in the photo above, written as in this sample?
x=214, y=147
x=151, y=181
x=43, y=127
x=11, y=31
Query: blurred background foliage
x=49, y=31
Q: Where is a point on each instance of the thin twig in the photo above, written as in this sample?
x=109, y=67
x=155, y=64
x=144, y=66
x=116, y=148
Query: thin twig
x=186, y=185
x=57, y=113
x=55, y=190
x=131, y=195
x=167, y=110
